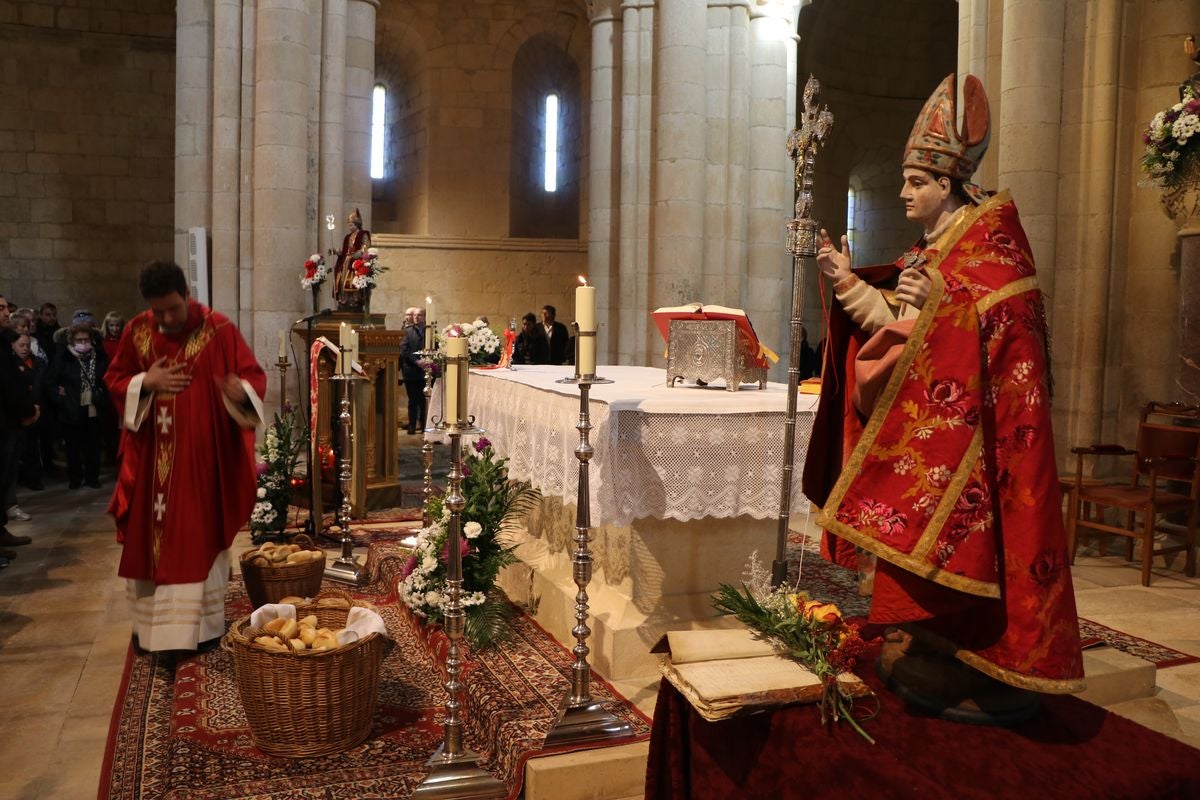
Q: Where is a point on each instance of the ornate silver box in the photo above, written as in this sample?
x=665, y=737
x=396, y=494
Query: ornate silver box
x=710, y=350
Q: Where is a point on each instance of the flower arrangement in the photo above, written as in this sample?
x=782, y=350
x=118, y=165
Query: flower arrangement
x=278, y=456
x=483, y=345
x=1173, y=142
x=366, y=269
x=315, y=272
x=493, y=504
x=808, y=631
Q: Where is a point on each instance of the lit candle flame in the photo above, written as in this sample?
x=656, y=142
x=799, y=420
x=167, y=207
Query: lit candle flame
x=583, y=280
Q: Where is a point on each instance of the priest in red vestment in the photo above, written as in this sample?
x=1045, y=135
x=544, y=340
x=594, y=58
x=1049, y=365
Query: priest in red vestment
x=187, y=389
x=932, y=447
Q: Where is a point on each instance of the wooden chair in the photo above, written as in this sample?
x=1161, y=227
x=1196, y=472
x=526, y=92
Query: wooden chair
x=1168, y=449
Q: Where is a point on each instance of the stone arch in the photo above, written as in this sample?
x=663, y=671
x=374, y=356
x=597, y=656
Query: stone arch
x=400, y=200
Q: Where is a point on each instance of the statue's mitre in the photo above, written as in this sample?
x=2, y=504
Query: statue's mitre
x=936, y=143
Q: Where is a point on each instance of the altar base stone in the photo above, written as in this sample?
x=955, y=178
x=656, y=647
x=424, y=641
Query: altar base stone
x=650, y=577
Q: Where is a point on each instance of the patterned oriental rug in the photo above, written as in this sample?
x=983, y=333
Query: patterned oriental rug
x=178, y=729
x=827, y=581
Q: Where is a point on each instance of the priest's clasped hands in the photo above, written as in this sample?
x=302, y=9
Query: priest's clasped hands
x=171, y=380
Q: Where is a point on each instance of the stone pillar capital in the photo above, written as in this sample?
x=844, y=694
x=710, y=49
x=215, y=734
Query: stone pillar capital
x=602, y=11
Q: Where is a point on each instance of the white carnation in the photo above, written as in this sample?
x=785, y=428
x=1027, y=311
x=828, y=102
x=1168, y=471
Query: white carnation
x=261, y=493
x=472, y=530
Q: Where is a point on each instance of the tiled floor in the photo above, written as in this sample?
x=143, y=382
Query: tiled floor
x=64, y=633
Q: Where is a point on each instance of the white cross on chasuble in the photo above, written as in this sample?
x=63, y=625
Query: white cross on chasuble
x=164, y=419
x=160, y=507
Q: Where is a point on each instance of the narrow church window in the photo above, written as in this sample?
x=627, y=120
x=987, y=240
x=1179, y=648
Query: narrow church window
x=551, y=164
x=851, y=202
x=378, y=100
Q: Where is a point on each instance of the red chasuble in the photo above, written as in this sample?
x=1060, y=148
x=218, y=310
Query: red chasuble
x=952, y=481
x=187, y=478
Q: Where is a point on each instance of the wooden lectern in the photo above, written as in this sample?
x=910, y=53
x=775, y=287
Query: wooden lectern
x=374, y=453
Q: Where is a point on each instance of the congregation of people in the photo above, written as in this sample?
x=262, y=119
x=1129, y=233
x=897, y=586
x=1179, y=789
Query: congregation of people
x=56, y=419
x=547, y=341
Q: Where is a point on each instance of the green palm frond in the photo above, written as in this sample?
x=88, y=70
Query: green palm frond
x=487, y=625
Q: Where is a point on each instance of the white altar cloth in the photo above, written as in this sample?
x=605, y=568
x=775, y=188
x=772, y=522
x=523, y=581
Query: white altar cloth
x=682, y=453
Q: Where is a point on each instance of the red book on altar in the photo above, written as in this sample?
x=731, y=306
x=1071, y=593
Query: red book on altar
x=663, y=316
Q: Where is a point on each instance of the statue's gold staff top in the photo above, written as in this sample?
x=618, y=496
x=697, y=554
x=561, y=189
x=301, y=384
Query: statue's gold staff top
x=802, y=144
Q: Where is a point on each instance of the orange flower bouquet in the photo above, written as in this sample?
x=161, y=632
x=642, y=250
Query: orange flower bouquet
x=808, y=631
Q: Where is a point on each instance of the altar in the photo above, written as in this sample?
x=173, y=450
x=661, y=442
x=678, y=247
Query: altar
x=684, y=485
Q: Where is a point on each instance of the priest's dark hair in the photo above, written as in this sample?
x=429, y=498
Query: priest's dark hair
x=160, y=278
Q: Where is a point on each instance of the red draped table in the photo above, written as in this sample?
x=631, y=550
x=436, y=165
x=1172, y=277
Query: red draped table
x=1070, y=750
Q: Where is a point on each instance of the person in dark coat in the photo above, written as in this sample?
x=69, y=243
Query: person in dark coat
x=558, y=339
x=17, y=411
x=410, y=367
x=531, y=346
x=29, y=456
x=75, y=384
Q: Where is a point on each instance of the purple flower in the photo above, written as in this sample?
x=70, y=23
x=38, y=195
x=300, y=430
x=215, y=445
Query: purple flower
x=409, y=566
x=287, y=407
x=466, y=470
x=463, y=548
x=482, y=443
x=263, y=468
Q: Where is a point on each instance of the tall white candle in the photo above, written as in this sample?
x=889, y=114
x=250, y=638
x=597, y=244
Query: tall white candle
x=451, y=386
x=282, y=345
x=353, y=349
x=343, y=345
x=585, y=315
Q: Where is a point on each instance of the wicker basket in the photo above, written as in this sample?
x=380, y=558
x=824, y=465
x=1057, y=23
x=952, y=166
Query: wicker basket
x=310, y=703
x=272, y=584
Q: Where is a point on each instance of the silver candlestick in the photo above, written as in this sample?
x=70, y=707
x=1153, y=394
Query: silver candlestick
x=581, y=718
x=454, y=771
x=346, y=569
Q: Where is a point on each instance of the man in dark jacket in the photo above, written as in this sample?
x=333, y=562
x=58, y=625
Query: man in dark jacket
x=531, y=346
x=558, y=340
x=17, y=410
x=414, y=376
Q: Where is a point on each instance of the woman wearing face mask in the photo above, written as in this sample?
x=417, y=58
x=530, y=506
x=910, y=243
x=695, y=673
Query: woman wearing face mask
x=76, y=384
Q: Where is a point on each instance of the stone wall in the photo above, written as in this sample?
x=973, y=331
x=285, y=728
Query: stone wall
x=497, y=278
x=86, y=150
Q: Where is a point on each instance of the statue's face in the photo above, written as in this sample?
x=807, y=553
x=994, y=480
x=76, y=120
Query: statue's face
x=924, y=195
x=352, y=223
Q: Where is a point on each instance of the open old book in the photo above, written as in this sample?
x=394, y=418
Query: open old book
x=663, y=316
x=728, y=672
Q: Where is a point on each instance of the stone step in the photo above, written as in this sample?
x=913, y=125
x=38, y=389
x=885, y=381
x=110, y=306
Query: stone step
x=1116, y=677
x=606, y=773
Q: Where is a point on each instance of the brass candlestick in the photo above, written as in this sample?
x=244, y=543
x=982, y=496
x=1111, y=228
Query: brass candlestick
x=346, y=569
x=454, y=771
x=581, y=718
x=426, y=361
x=801, y=243
x=282, y=365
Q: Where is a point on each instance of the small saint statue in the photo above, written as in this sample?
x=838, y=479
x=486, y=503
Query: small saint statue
x=354, y=245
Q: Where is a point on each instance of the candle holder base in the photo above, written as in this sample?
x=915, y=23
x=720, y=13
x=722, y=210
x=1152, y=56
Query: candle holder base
x=590, y=380
x=346, y=571
x=586, y=721
x=458, y=776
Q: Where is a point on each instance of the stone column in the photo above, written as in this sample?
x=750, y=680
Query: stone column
x=193, y=122
x=281, y=156
x=226, y=155
x=679, y=156
x=1031, y=89
x=1158, y=293
x=631, y=291
x=604, y=184
x=1089, y=149
x=333, y=134
x=768, y=285
x=727, y=67
x=360, y=81
x=1188, y=370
